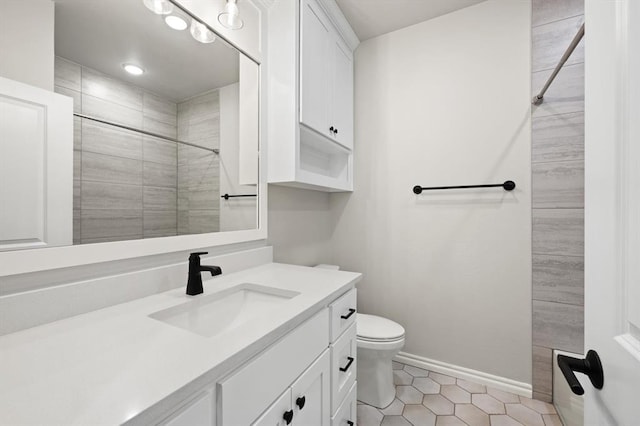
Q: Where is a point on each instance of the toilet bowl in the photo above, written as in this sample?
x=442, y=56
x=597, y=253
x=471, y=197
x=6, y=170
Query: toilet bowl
x=379, y=340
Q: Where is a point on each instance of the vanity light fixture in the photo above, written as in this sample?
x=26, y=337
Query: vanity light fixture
x=133, y=69
x=159, y=7
x=230, y=18
x=176, y=22
x=201, y=33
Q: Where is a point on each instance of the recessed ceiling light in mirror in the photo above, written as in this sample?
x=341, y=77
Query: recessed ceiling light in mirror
x=133, y=69
x=230, y=18
x=159, y=7
x=176, y=22
x=200, y=32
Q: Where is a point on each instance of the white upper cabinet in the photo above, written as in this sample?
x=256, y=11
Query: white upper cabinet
x=315, y=39
x=310, y=106
x=342, y=93
x=326, y=77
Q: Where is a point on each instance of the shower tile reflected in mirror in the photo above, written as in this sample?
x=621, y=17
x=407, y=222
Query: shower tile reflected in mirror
x=199, y=169
x=129, y=185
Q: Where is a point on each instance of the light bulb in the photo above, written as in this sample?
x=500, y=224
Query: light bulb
x=200, y=32
x=176, y=22
x=133, y=69
x=230, y=18
x=159, y=7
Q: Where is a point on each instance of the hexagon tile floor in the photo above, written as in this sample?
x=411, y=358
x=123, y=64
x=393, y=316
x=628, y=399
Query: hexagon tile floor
x=426, y=398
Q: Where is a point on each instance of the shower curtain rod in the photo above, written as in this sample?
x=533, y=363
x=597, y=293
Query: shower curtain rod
x=537, y=99
x=145, y=132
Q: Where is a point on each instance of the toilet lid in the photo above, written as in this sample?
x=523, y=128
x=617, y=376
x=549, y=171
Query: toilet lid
x=371, y=327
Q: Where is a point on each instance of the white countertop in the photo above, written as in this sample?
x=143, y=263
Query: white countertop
x=107, y=366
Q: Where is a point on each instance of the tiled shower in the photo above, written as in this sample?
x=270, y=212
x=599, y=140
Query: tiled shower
x=558, y=189
x=128, y=185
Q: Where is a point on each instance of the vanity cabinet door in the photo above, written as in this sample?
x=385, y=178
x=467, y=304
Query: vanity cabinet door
x=246, y=392
x=279, y=413
x=311, y=393
x=315, y=56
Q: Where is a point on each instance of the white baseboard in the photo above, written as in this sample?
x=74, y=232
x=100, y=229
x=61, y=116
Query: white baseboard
x=496, y=382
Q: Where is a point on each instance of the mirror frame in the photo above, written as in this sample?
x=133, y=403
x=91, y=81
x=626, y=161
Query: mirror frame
x=42, y=259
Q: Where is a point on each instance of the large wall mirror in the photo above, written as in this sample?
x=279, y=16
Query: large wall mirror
x=125, y=131
x=165, y=131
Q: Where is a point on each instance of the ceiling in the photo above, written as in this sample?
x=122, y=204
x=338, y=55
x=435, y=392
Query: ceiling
x=104, y=34
x=371, y=18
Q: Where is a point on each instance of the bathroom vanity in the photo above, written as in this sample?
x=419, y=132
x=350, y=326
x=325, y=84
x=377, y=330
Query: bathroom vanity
x=96, y=328
x=273, y=344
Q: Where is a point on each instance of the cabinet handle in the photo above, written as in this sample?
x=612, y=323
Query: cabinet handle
x=288, y=416
x=351, y=312
x=349, y=422
x=300, y=402
x=346, y=367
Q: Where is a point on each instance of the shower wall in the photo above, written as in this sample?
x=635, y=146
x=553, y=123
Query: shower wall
x=557, y=189
x=126, y=183
x=198, y=169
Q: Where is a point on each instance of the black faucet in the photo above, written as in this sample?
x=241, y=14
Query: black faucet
x=194, y=282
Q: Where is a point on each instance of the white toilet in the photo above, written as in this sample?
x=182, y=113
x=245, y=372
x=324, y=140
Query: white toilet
x=379, y=340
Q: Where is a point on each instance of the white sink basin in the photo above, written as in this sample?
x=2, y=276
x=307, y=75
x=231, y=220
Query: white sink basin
x=210, y=315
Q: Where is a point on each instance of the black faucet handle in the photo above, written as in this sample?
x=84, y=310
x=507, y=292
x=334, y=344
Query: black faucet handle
x=198, y=253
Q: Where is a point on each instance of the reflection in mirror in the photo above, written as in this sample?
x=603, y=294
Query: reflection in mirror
x=157, y=143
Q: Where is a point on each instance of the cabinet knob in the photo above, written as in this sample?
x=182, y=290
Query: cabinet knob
x=335, y=132
x=331, y=129
x=300, y=402
x=288, y=416
x=349, y=422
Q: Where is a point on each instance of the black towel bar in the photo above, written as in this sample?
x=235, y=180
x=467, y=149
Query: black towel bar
x=508, y=185
x=227, y=196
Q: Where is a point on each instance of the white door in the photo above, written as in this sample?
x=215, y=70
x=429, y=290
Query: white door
x=36, y=167
x=612, y=209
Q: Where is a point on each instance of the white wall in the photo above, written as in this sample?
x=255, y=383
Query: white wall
x=299, y=225
x=445, y=102
x=235, y=213
x=28, y=57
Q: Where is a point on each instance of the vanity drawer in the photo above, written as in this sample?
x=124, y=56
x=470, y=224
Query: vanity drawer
x=254, y=387
x=347, y=412
x=343, y=366
x=343, y=314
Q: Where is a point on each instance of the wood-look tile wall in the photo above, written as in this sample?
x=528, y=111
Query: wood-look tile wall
x=199, y=170
x=126, y=183
x=557, y=188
